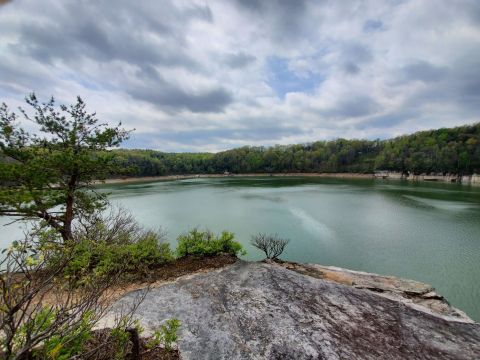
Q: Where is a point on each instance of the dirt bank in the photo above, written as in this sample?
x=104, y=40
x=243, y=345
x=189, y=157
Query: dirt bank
x=128, y=180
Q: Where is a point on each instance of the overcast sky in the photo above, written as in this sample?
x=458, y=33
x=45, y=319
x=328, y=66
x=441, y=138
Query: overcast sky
x=211, y=75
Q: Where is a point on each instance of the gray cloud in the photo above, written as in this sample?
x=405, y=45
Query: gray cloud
x=388, y=120
x=457, y=85
x=282, y=7
x=92, y=33
x=193, y=76
x=373, y=25
x=174, y=98
x=239, y=60
x=202, y=137
x=352, y=56
x=355, y=106
x=356, y=52
x=351, y=68
x=424, y=71
x=285, y=19
x=154, y=89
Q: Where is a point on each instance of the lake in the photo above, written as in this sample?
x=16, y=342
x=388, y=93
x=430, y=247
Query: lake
x=424, y=231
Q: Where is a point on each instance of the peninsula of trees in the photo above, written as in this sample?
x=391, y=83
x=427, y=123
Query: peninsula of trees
x=450, y=150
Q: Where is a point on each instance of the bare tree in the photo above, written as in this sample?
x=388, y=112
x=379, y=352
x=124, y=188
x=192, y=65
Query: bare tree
x=271, y=244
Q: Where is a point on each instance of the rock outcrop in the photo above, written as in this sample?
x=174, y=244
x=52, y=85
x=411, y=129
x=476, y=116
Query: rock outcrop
x=266, y=311
x=410, y=292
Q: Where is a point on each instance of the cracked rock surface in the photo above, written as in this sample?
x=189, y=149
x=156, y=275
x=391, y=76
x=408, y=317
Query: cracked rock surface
x=412, y=293
x=258, y=310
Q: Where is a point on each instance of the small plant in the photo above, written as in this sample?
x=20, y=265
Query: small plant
x=271, y=244
x=166, y=335
x=206, y=243
x=66, y=345
x=121, y=335
x=120, y=339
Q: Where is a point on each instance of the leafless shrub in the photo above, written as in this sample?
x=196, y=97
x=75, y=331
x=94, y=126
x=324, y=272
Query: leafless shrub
x=271, y=244
x=112, y=226
x=117, y=226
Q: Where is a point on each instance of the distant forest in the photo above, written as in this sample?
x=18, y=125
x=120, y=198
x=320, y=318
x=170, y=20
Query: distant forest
x=454, y=150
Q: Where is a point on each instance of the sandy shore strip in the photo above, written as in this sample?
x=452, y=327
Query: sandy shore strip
x=127, y=180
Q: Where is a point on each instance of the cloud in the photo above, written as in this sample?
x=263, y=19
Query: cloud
x=239, y=60
x=352, y=107
x=92, y=34
x=168, y=96
x=196, y=76
x=283, y=19
x=189, y=140
x=424, y=71
x=373, y=25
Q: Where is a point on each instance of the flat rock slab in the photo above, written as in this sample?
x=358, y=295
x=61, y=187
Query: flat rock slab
x=410, y=292
x=264, y=311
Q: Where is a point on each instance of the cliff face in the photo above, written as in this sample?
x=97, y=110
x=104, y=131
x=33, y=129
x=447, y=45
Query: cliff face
x=267, y=311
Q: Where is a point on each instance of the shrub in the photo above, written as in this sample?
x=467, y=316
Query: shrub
x=69, y=343
x=205, y=243
x=271, y=244
x=102, y=258
x=165, y=335
x=120, y=337
x=114, y=243
x=63, y=343
x=44, y=314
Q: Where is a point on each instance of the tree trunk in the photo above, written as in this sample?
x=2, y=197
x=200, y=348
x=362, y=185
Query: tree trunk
x=67, y=224
x=135, y=354
x=27, y=355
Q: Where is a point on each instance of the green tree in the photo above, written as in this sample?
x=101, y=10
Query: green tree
x=49, y=175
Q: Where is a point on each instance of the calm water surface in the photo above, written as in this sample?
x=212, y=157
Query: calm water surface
x=423, y=231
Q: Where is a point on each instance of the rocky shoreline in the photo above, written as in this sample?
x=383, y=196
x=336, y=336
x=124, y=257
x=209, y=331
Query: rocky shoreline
x=268, y=310
x=127, y=180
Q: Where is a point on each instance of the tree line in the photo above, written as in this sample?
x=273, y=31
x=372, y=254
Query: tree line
x=448, y=150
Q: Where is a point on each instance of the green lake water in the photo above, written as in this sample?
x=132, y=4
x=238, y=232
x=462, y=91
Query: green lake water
x=424, y=231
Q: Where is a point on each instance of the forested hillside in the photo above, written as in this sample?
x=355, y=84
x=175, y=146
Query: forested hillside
x=455, y=150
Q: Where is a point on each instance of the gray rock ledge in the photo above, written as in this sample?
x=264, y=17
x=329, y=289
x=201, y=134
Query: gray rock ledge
x=251, y=310
x=410, y=292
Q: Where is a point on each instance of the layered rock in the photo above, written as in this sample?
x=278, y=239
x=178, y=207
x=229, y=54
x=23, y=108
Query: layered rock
x=266, y=311
x=410, y=292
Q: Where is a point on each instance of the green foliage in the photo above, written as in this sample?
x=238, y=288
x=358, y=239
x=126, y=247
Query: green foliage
x=37, y=323
x=65, y=345
x=60, y=344
x=120, y=338
x=154, y=163
x=205, y=243
x=50, y=176
x=56, y=168
x=455, y=150
x=166, y=335
x=101, y=258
